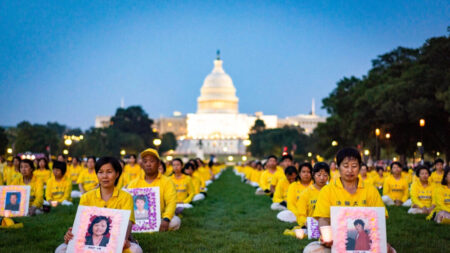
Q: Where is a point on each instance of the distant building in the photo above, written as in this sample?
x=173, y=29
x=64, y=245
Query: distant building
x=102, y=121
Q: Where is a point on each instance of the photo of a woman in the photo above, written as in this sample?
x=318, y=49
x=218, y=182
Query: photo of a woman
x=358, y=238
x=97, y=231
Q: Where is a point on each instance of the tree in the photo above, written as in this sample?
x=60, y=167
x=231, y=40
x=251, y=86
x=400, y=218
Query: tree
x=3, y=141
x=34, y=138
x=259, y=126
x=168, y=142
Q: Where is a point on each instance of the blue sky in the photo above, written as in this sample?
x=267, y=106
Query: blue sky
x=69, y=61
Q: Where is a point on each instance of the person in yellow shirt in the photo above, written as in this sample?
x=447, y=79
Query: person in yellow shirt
x=294, y=191
x=334, y=172
x=188, y=169
x=108, y=195
x=438, y=174
x=75, y=169
x=441, y=199
x=14, y=171
x=59, y=186
x=378, y=178
x=347, y=190
x=308, y=198
x=183, y=185
x=43, y=172
x=407, y=174
x=205, y=172
x=131, y=171
x=36, y=186
x=422, y=192
x=395, y=187
x=285, y=162
x=265, y=181
x=364, y=176
x=280, y=196
x=167, y=193
x=87, y=180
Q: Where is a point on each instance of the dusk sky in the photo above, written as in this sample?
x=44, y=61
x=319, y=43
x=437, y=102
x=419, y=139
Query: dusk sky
x=69, y=61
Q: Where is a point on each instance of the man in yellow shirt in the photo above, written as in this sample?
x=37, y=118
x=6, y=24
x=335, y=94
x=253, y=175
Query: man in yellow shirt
x=168, y=196
x=280, y=196
x=285, y=162
x=265, y=181
x=395, y=187
x=441, y=199
x=74, y=170
x=347, y=190
x=438, y=174
x=87, y=180
x=14, y=172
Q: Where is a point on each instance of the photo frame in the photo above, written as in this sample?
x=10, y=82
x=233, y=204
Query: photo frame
x=14, y=200
x=313, y=228
x=358, y=229
x=99, y=230
x=147, y=211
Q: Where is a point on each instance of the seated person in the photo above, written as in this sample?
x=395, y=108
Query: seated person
x=14, y=172
x=286, y=161
x=188, y=169
x=59, y=186
x=107, y=195
x=441, y=199
x=265, y=180
x=75, y=169
x=308, y=198
x=364, y=175
x=183, y=185
x=36, y=186
x=378, y=178
x=395, y=187
x=87, y=180
x=43, y=172
x=422, y=192
x=342, y=191
x=167, y=193
x=294, y=191
x=280, y=196
x=256, y=174
x=437, y=176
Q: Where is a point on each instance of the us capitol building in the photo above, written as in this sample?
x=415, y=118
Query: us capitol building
x=217, y=127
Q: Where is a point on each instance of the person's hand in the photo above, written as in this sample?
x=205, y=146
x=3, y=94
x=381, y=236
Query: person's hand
x=326, y=244
x=68, y=236
x=398, y=202
x=164, y=226
x=424, y=210
x=126, y=244
x=390, y=249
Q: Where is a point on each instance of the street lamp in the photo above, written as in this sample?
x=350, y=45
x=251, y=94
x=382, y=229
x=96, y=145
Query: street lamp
x=68, y=142
x=309, y=154
x=388, y=136
x=123, y=152
x=230, y=158
x=65, y=152
x=244, y=158
x=334, y=143
x=157, y=142
x=422, y=122
x=247, y=143
x=377, y=151
x=366, y=152
x=9, y=150
x=377, y=132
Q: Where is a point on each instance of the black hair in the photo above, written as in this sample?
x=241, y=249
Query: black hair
x=290, y=169
x=14, y=194
x=363, y=164
x=199, y=162
x=97, y=220
x=163, y=165
x=272, y=156
x=114, y=163
x=358, y=221
x=405, y=169
x=134, y=156
x=308, y=165
x=62, y=156
x=141, y=197
x=187, y=166
x=438, y=160
x=421, y=167
x=347, y=153
x=29, y=162
x=444, y=179
x=46, y=163
x=398, y=164
x=288, y=156
x=91, y=157
x=321, y=166
x=378, y=168
x=61, y=166
x=179, y=160
x=193, y=162
x=77, y=159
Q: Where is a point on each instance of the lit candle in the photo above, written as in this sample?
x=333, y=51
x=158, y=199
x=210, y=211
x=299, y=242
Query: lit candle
x=325, y=231
x=299, y=233
x=54, y=203
x=7, y=213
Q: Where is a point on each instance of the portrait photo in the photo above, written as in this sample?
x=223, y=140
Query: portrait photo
x=98, y=231
x=358, y=238
x=14, y=200
x=147, y=210
x=140, y=207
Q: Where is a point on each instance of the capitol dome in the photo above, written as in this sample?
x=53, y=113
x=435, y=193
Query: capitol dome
x=218, y=94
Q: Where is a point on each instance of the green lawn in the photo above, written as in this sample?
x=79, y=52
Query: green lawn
x=230, y=219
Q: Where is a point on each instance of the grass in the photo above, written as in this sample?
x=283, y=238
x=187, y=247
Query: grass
x=230, y=219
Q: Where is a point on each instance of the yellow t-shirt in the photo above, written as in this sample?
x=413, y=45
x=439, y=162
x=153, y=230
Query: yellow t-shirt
x=368, y=180
x=119, y=200
x=436, y=178
x=334, y=194
x=306, y=204
x=378, y=181
x=294, y=191
x=6, y=171
x=422, y=196
x=203, y=183
x=74, y=172
x=167, y=193
x=36, y=190
x=407, y=176
x=279, y=175
x=58, y=191
x=205, y=173
x=88, y=180
x=43, y=175
x=442, y=198
x=281, y=191
x=396, y=189
x=184, y=188
x=266, y=179
x=334, y=174
x=13, y=175
x=197, y=184
x=256, y=175
x=248, y=172
x=130, y=173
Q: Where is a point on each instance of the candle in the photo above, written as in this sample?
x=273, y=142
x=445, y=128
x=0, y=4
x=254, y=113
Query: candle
x=7, y=213
x=325, y=231
x=54, y=203
x=299, y=233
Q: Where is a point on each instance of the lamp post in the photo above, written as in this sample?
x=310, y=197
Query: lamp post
x=421, y=148
x=366, y=155
x=377, y=151
x=334, y=143
x=157, y=143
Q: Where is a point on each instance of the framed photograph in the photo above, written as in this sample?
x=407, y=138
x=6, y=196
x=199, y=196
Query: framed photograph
x=99, y=230
x=313, y=228
x=14, y=200
x=147, y=210
x=358, y=229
